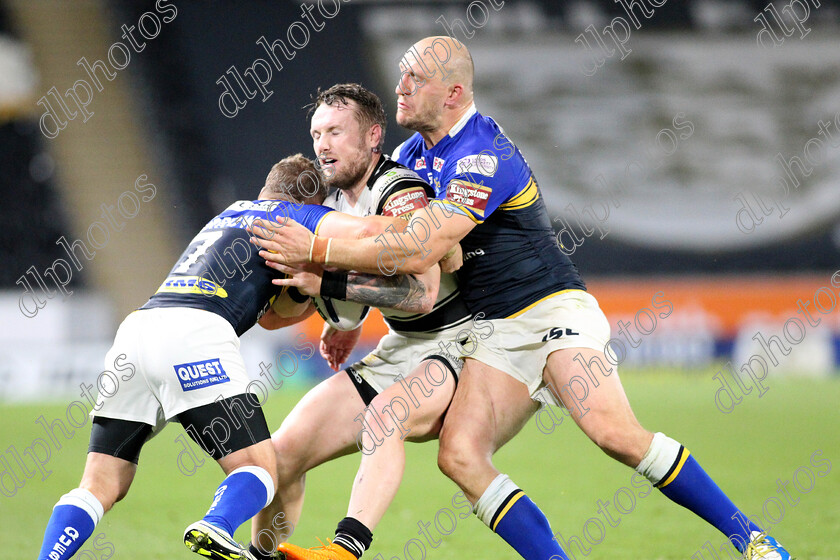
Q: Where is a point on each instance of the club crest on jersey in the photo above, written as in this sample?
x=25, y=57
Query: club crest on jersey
x=437, y=165
x=420, y=163
x=195, y=375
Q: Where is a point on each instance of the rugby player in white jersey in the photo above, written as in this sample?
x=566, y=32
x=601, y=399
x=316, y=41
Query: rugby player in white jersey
x=547, y=330
x=350, y=410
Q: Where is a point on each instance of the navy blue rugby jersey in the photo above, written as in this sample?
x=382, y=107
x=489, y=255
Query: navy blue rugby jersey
x=221, y=271
x=511, y=257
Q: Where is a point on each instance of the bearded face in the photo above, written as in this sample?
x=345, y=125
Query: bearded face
x=340, y=144
x=347, y=167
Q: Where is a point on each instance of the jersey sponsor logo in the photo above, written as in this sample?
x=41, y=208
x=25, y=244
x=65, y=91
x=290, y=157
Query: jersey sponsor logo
x=483, y=164
x=405, y=202
x=191, y=285
x=223, y=222
x=470, y=254
x=242, y=214
x=557, y=332
x=255, y=205
x=420, y=163
x=437, y=164
x=195, y=375
x=395, y=176
x=471, y=195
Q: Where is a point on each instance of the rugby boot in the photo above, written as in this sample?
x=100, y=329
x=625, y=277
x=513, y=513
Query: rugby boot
x=764, y=547
x=213, y=543
x=331, y=551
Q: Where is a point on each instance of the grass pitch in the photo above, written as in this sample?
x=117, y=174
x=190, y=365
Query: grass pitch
x=792, y=433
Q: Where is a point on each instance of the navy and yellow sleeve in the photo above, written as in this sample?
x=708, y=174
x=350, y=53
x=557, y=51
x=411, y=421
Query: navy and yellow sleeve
x=480, y=184
x=307, y=215
x=313, y=215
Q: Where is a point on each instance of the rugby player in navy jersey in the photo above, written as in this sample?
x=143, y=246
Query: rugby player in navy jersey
x=424, y=314
x=181, y=352
x=547, y=329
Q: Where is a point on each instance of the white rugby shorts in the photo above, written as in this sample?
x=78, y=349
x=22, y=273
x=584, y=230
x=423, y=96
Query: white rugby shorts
x=181, y=358
x=519, y=345
x=399, y=354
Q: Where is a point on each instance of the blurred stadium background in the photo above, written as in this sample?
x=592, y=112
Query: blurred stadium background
x=671, y=140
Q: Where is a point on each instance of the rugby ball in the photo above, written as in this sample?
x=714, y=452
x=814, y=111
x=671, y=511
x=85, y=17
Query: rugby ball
x=341, y=315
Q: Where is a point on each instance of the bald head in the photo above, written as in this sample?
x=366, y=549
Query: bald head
x=435, y=89
x=450, y=58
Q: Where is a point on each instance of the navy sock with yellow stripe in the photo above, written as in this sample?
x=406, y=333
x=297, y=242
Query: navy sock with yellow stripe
x=686, y=483
x=513, y=516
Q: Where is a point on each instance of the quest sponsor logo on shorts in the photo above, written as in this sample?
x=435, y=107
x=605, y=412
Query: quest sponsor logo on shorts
x=195, y=375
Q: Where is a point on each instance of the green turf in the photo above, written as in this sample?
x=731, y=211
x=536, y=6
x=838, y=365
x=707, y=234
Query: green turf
x=746, y=451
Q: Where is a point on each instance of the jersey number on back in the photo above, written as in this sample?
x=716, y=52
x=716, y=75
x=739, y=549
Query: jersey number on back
x=201, y=243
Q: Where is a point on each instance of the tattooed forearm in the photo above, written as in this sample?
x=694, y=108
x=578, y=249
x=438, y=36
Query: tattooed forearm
x=400, y=292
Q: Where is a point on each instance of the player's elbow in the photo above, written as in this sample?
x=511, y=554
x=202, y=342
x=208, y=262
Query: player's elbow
x=368, y=229
x=431, y=287
x=270, y=320
x=372, y=226
x=416, y=265
x=425, y=305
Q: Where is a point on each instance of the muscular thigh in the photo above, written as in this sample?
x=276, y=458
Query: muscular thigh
x=597, y=401
x=587, y=384
x=327, y=422
x=324, y=423
x=488, y=409
x=417, y=403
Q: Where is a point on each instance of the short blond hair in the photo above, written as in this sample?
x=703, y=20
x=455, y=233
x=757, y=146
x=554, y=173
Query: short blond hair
x=297, y=179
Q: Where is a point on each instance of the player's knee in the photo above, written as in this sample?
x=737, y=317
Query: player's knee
x=290, y=456
x=375, y=416
x=121, y=493
x=108, y=494
x=621, y=442
x=457, y=456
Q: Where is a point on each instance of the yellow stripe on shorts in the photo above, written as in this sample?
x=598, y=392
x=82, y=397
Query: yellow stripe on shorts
x=524, y=309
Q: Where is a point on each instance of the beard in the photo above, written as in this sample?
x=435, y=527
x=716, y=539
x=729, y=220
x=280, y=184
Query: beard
x=351, y=175
x=417, y=124
x=423, y=120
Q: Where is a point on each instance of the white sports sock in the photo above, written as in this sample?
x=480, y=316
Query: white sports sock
x=84, y=500
x=659, y=458
x=489, y=502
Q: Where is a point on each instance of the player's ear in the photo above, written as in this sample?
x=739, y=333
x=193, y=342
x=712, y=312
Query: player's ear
x=456, y=92
x=375, y=136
